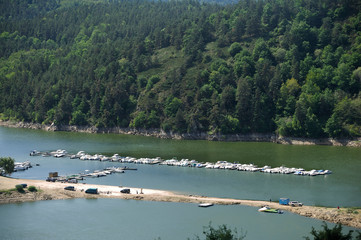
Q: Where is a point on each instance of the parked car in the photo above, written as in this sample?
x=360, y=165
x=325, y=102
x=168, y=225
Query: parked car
x=125, y=190
x=92, y=191
x=49, y=179
x=70, y=188
x=72, y=181
x=296, y=204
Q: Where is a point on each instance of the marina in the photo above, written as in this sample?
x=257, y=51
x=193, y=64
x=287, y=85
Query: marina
x=174, y=162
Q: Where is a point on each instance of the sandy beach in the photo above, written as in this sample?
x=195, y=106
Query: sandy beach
x=55, y=190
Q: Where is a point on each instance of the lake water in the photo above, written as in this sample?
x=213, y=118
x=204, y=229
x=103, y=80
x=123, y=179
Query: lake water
x=130, y=219
x=149, y=220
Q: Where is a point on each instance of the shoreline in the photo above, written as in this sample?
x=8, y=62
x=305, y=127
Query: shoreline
x=255, y=137
x=55, y=191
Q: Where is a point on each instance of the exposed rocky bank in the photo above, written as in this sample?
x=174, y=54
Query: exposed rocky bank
x=189, y=136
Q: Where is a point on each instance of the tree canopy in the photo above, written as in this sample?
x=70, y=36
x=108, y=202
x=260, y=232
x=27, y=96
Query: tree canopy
x=7, y=164
x=223, y=232
x=334, y=233
x=290, y=67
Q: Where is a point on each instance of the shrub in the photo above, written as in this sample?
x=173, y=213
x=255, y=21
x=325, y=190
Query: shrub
x=334, y=233
x=32, y=189
x=222, y=233
x=19, y=188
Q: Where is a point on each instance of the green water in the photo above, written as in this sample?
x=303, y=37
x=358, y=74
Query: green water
x=342, y=188
x=120, y=219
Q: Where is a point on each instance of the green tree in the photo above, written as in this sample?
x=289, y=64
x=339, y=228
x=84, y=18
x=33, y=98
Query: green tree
x=139, y=121
x=261, y=50
x=345, y=119
x=153, y=120
x=244, y=104
x=180, y=124
x=230, y=125
x=78, y=118
x=228, y=99
x=334, y=233
x=172, y=106
x=221, y=233
x=7, y=163
x=234, y=49
x=288, y=96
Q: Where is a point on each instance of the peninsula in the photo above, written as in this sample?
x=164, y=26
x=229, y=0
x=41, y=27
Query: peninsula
x=55, y=191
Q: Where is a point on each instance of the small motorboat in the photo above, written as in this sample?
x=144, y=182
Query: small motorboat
x=34, y=153
x=205, y=205
x=269, y=210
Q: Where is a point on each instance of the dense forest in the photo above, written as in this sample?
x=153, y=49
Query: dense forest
x=292, y=67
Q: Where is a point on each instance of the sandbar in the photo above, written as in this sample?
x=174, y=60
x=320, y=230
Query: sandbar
x=55, y=190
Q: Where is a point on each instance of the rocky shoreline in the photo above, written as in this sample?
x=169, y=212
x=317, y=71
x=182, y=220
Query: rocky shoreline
x=159, y=133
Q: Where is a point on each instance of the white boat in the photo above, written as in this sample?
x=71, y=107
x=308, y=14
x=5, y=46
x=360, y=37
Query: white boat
x=80, y=153
x=59, y=155
x=104, y=158
x=59, y=151
x=85, y=157
x=117, y=170
x=313, y=172
x=101, y=174
x=209, y=165
x=115, y=158
x=34, y=153
x=19, y=168
x=263, y=209
x=205, y=205
x=269, y=210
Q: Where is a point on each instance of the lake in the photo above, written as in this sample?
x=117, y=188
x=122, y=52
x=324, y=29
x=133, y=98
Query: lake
x=149, y=220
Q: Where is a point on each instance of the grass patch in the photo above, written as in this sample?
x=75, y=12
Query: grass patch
x=168, y=58
x=8, y=191
x=90, y=197
x=353, y=210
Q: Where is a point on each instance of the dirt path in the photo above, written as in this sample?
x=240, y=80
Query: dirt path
x=52, y=191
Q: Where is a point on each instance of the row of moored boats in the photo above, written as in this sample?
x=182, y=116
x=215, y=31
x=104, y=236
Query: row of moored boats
x=18, y=166
x=22, y=166
x=74, y=178
x=185, y=163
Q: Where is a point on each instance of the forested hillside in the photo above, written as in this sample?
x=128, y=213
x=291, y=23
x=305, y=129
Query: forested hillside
x=290, y=67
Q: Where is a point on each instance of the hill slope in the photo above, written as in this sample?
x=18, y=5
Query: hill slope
x=258, y=66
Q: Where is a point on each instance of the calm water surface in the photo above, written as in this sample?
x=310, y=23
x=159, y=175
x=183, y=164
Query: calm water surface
x=132, y=218
x=129, y=219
